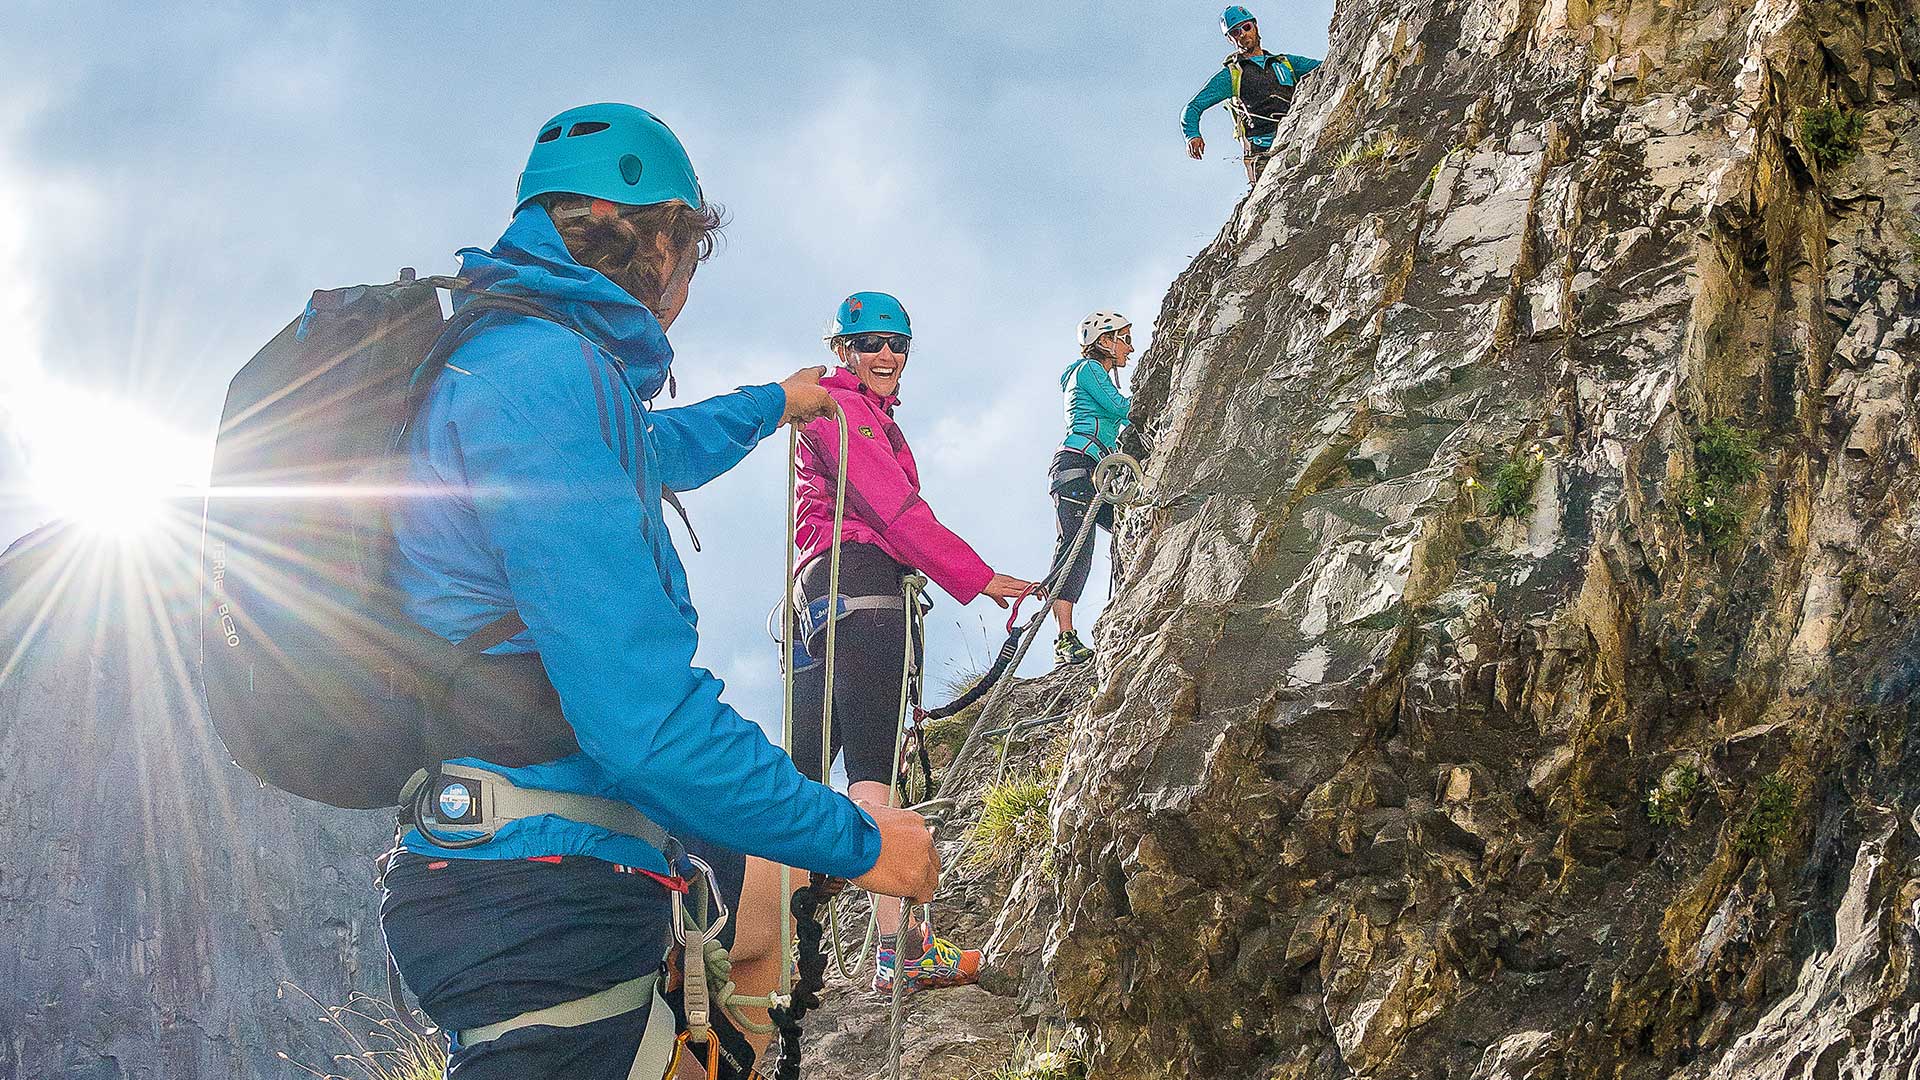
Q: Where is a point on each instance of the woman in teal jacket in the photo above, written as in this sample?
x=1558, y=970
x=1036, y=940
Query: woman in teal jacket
x=1096, y=411
x=545, y=462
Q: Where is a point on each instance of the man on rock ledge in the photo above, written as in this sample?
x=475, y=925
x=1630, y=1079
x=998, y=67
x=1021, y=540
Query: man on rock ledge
x=1256, y=84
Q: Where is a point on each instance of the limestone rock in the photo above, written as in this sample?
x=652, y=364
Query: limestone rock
x=158, y=903
x=1382, y=782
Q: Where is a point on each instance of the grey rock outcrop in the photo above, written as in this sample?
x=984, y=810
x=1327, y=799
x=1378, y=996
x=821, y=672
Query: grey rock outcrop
x=153, y=898
x=1515, y=673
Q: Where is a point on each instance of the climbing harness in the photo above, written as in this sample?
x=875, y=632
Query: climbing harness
x=457, y=807
x=1245, y=118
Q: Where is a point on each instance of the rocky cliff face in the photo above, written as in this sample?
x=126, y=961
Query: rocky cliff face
x=153, y=898
x=1515, y=671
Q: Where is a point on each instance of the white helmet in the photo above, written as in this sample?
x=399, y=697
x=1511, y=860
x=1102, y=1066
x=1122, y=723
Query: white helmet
x=1099, y=323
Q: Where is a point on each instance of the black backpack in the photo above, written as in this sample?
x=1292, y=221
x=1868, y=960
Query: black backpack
x=315, y=680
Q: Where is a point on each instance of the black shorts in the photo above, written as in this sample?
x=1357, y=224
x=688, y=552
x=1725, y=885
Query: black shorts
x=484, y=940
x=869, y=650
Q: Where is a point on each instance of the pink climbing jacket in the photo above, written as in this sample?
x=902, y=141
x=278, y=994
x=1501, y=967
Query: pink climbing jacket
x=884, y=507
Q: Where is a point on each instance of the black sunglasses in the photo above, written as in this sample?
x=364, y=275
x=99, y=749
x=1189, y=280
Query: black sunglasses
x=872, y=343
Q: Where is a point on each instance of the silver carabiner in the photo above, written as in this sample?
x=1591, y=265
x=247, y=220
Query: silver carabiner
x=719, y=902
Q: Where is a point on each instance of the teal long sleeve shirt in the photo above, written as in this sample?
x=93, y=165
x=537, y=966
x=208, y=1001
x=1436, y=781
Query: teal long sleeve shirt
x=1096, y=409
x=1220, y=88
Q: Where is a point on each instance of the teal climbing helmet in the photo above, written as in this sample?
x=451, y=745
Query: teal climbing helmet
x=619, y=153
x=869, y=313
x=1233, y=17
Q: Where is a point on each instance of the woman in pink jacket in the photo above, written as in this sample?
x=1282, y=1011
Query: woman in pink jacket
x=887, y=531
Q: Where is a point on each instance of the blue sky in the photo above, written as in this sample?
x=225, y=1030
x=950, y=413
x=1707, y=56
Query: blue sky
x=176, y=179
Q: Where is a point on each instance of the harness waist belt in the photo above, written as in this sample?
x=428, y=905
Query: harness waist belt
x=495, y=801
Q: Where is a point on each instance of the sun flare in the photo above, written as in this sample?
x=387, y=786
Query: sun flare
x=105, y=464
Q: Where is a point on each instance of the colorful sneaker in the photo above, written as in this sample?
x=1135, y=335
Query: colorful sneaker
x=1068, y=649
x=943, y=964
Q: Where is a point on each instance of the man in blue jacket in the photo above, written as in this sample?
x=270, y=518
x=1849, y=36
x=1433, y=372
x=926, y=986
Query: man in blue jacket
x=1256, y=84
x=544, y=460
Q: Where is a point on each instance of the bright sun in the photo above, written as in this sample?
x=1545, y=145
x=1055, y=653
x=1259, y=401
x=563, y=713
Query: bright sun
x=102, y=463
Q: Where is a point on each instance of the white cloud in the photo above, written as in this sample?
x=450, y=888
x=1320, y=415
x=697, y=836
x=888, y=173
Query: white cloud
x=84, y=452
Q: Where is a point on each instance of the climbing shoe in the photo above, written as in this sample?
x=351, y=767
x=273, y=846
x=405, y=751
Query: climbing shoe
x=942, y=964
x=1068, y=649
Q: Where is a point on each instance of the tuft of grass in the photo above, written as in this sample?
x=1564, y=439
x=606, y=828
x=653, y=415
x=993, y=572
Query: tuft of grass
x=1726, y=458
x=1669, y=804
x=1374, y=151
x=1013, y=823
x=1037, y=1060
x=1726, y=454
x=1513, y=484
x=1832, y=133
x=378, y=1046
x=1770, y=820
x=1426, y=189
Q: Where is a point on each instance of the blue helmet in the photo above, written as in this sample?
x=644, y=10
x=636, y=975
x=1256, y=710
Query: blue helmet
x=1233, y=17
x=869, y=312
x=618, y=153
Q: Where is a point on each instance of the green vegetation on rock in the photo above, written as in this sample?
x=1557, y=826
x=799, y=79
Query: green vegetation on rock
x=1373, y=151
x=1832, y=133
x=1725, y=459
x=1513, y=484
x=1013, y=823
x=1038, y=1061
x=1670, y=801
x=1770, y=820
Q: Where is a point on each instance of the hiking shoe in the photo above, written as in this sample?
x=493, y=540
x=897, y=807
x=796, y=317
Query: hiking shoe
x=943, y=964
x=1068, y=649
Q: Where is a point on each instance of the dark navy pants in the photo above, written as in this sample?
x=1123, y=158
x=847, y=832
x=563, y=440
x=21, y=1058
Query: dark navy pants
x=483, y=940
x=1073, y=496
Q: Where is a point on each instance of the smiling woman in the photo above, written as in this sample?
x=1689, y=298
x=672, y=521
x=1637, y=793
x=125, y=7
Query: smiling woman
x=102, y=463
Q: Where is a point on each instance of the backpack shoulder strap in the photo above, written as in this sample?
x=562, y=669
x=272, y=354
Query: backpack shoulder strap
x=495, y=632
x=452, y=334
x=455, y=331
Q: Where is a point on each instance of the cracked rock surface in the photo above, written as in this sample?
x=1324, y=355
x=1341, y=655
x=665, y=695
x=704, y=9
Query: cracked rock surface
x=1454, y=721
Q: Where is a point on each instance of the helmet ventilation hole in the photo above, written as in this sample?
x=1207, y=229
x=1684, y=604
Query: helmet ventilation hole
x=586, y=127
x=548, y=135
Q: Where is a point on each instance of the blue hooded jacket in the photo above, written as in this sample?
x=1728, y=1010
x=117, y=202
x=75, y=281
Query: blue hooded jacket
x=1096, y=409
x=549, y=463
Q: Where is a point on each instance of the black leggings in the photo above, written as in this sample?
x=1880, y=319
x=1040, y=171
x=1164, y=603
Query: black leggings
x=867, y=653
x=1071, y=498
